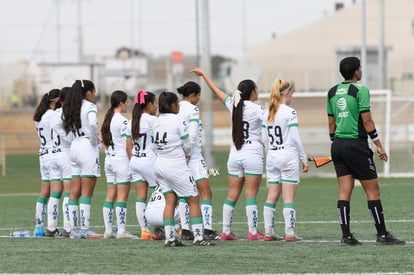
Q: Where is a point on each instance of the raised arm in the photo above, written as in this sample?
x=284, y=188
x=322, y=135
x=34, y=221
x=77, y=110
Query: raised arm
x=219, y=93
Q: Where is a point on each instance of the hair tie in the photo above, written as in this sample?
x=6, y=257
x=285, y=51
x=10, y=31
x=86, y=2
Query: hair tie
x=140, y=97
x=236, y=97
x=83, y=86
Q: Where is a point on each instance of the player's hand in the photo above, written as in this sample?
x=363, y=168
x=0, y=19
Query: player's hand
x=198, y=71
x=382, y=154
x=305, y=167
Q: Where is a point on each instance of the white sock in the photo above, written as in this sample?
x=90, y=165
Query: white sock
x=289, y=215
x=85, y=212
x=169, y=232
x=207, y=213
x=40, y=211
x=121, y=215
x=252, y=217
x=52, y=213
x=184, y=211
x=140, y=207
x=228, y=211
x=107, y=211
x=73, y=214
x=269, y=211
x=65, y=211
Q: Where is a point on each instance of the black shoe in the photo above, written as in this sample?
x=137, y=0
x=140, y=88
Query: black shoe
x=54, y=233
x=173, y=243
x=203, y=242
x=211, y=234
x=65, y=233
x=388, y=239
x=186, y=235
x=350, y=240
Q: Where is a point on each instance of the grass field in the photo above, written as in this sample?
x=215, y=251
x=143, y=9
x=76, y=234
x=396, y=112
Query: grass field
x=320, y=251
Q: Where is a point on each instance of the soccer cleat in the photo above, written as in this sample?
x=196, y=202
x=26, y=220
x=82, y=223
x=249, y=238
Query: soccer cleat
x=228, y=237
x=39, y=231
x=388, y=239
x=211, y=234
x=186, y=234
x=65, y=233
x=76, y=233
x=109, y=235
x=293, y=238
x=255, y=237
x=126, y=235
x=203, y=242
x=54, y=233
x=158, y=234
x=145, y=235
x=350, y=240
x=173, y=243
x=272, y=238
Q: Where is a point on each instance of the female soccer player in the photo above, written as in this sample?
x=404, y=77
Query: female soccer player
x=42, y=117
x=245, y=162
x=80, y=118
x=142, y=157
x=285, y=150
x=114, y=133
x=191, y=92
x=172, y=147
x=60, y=172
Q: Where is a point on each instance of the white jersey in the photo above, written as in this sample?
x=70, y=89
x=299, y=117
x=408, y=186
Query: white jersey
x=143, y=145
x=282, y=136
x=44, y=132
x=60, y=138
x=169, y=131
x=191, y=114
x=118, y=128
x=253, y=115
x=89, y=113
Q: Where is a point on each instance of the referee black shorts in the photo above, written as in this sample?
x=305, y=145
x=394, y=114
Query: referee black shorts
x=353, y=157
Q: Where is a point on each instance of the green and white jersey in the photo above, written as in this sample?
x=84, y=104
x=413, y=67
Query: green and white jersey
x=60, y=141
x=253, y=115
x=170, y=131
x=89, y=114
x=191, y=114
x=143, y=145
x=118, y=127
x=345, y=102
x=45, y=133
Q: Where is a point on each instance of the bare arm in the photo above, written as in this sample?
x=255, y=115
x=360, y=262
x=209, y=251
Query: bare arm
x=369, y=126
x=332, y=125
x=128, y=147
x=219, y=93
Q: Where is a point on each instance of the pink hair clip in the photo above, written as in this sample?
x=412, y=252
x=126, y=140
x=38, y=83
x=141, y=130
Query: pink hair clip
x=140, y=97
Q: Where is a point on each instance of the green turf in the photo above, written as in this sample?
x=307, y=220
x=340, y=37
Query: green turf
x=316, y=216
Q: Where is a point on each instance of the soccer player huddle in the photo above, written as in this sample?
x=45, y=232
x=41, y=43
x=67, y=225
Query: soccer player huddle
x=159, y=149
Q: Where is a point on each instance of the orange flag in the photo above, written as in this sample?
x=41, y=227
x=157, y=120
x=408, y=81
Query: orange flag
x=320, y=161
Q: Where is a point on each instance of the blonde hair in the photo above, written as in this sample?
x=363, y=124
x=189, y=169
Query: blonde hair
x=279, y=87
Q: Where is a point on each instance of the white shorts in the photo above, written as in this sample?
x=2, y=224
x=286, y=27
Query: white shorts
x=142, y=169
x=60, y=168
x=246, y=162
x=117, y=170
x=198, y=168
x=84, y=158
x=174, y=175
x=154, y=214
x=44, y=162
x=282, y=167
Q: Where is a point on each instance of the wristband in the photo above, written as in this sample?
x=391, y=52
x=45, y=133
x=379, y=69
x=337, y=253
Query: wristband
x=332, y=136
x=374, y=135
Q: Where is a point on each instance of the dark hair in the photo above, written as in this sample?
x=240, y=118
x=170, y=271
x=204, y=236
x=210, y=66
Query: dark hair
x=44, y=104
x=63, y=92
x=189, y=88
x=137, y=111
x=348, y=66
x=117, y=97
x=73, y=104
x=165, y=102
x=246, y=87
